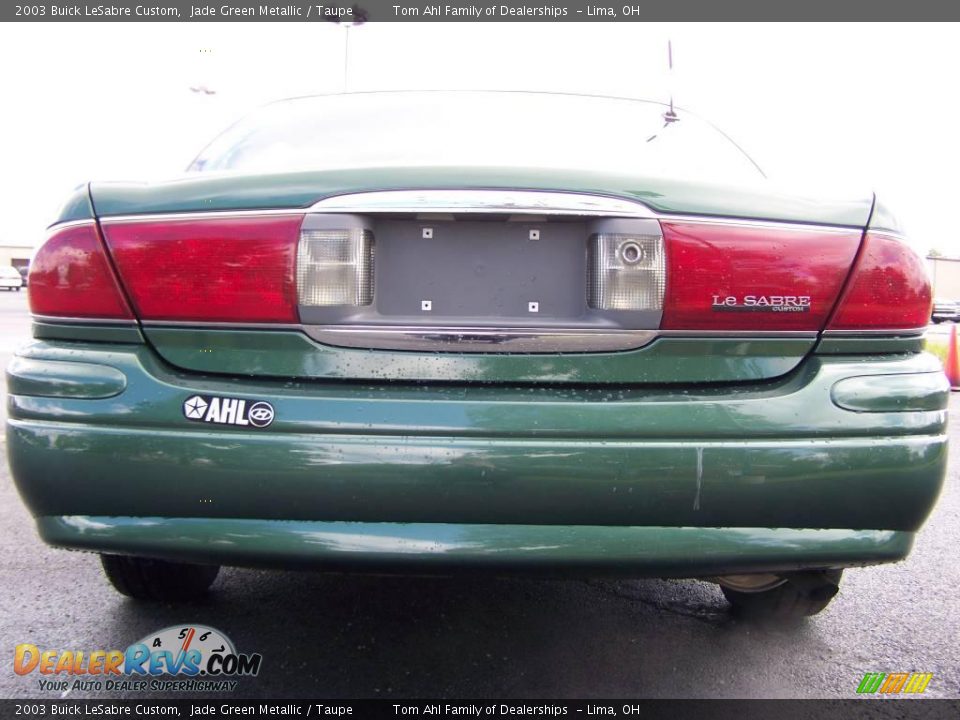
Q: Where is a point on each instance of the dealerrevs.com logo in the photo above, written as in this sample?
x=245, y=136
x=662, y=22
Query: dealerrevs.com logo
x=185, y=658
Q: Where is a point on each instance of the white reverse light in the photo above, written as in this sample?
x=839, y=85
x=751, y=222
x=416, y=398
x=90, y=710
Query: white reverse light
x=626, y=272
x=335, y=267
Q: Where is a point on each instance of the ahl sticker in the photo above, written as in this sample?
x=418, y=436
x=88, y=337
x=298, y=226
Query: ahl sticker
x=228, y=411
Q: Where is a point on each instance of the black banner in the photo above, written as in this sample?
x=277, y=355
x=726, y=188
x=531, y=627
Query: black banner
x=648, y=709
x=475, y=11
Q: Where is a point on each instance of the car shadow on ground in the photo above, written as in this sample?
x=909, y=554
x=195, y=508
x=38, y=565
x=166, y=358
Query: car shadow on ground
x=335, y=635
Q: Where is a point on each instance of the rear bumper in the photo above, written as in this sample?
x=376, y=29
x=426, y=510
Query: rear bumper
x=446, y=547
x=844, y=457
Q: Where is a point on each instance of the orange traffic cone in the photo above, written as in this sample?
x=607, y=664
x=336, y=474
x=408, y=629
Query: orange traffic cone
x=952, y=367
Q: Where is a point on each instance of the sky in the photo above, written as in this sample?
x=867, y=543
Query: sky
x=848, y=107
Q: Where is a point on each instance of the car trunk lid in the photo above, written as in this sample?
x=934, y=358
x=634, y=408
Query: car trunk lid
x=478, y=284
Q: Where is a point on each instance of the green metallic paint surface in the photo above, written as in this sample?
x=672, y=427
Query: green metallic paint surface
x=782, y=483
x=770, y=454
x=444, y=547
x=114, y=333
x=63, y=379
x=191, y=349
x=219, y=191
x=893, y=393
x=292, y=354
x=77, y=206
x=868, y=345
x=798, y=406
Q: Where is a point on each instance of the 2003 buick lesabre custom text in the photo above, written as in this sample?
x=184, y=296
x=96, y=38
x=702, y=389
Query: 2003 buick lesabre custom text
x=73, y=10
x=86, y=709
x=349, y=338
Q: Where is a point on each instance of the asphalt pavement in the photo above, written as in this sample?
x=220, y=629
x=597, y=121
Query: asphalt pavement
x=327, y=636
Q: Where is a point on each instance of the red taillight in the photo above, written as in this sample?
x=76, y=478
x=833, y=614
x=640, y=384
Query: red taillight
x=71, y=277
x=216, y=269
x=888, y=290
x=743, y=277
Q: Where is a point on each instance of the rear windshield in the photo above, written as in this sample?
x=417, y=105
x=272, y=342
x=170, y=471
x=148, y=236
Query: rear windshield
x=497, y=129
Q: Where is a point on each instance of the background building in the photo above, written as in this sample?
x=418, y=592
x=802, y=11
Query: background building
x=16, y=255
x=945, y=274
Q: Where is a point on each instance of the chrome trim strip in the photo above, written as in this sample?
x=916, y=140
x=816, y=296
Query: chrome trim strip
x=506, y=340
x=746, y=334
x=57, y=320
x=617, y=338
x=217, y=325
x=56, y=227
x=912, y=332
x=534, y=202
x=199, y=215
x=213, y=325
x=889, y=235
x=747, y=223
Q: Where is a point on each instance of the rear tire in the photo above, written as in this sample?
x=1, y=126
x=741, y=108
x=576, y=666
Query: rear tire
x=148, y=579
x=801, y=595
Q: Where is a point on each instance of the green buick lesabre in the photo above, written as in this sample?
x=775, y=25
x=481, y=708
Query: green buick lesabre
x=502, y=332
